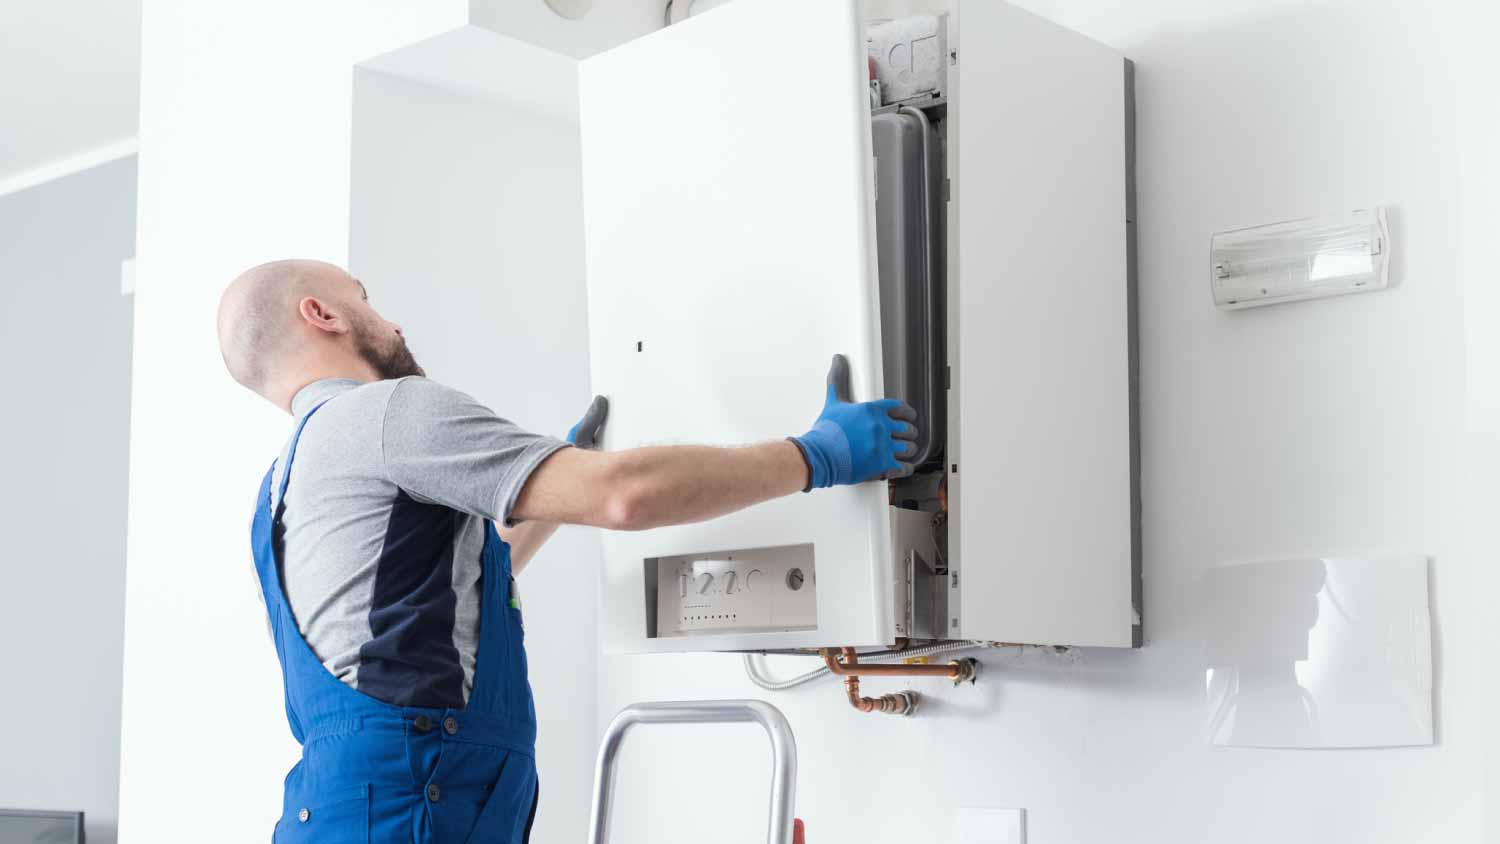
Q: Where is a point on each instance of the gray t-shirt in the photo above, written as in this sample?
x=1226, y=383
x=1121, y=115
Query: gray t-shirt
x=384, y=524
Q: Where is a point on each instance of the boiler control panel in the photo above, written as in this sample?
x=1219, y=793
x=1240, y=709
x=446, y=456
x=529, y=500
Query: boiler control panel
x=749, y=590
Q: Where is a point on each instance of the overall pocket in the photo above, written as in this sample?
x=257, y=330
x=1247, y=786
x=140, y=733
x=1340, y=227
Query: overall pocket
x=340, y=816
x=504, y=816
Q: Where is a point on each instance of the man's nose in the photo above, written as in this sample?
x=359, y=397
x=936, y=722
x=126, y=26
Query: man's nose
x=399, y=331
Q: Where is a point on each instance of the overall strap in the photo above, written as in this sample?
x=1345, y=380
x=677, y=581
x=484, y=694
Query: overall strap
x=286, y=470
x=501, y=688
x=267, y=539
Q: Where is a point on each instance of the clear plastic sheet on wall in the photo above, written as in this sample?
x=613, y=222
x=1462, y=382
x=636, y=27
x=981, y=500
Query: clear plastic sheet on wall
x=1319, y=653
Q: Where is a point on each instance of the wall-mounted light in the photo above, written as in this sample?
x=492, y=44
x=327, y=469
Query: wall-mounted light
x=1300, y=259
x=570, y=9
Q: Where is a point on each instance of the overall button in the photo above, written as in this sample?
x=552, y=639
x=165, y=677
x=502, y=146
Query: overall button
x=422, y=723
x=304, y=815
x=433, y=792
x=450, y=725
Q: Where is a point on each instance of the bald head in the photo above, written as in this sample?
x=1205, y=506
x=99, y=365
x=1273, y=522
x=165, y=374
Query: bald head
x=259, y=315
x=287, y=323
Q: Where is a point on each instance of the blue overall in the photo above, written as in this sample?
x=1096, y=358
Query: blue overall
x=374, y=773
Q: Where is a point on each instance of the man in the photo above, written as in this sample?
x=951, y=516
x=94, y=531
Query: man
x=387, y=535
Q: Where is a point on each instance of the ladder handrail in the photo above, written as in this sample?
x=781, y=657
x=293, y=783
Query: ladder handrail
x=783, y=754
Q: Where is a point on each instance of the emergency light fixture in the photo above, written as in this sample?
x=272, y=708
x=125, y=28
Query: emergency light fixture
x=1300, y=259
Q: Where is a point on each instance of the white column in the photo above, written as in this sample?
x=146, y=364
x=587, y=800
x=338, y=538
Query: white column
x=245, y=156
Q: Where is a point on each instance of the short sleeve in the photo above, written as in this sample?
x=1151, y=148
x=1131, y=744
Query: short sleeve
x=443, y=447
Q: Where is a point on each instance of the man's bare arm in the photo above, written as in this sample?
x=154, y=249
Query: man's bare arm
x=643, y=488
x=525, y=540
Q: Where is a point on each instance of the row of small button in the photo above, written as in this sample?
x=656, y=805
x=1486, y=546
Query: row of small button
x=424, y=724
x=450, y=726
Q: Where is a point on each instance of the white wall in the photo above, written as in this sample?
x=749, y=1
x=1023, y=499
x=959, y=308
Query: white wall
x=1476, y=67
x=65, y=337
x=1326, y=426
x=467, y=230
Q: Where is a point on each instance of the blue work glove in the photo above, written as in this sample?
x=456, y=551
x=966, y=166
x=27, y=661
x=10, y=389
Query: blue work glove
x=852, y=443
x=585, y=434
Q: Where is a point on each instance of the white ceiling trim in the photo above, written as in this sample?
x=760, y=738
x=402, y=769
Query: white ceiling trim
x=68, y=166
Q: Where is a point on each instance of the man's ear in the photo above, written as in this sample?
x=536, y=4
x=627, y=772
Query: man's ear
x=315, y=313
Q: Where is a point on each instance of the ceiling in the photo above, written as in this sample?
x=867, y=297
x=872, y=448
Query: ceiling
x=69, y=79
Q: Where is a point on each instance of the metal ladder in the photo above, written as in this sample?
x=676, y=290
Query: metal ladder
x=783, y=754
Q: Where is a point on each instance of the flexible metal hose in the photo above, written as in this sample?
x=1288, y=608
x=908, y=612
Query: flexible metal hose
x=756, y=671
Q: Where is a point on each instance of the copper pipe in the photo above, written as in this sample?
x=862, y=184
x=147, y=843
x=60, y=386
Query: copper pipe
x=863, y=704
x=851, y=667
x=901, y=703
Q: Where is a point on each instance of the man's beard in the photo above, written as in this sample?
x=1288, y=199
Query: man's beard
x=394, y=362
